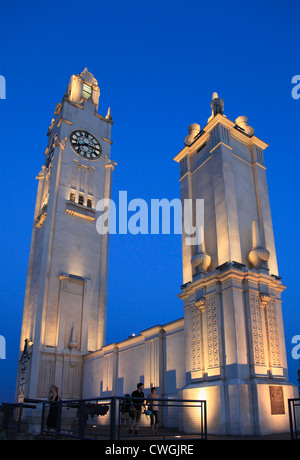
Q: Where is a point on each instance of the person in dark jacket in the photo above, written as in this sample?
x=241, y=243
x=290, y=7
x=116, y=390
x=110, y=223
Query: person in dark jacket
x=138, y=402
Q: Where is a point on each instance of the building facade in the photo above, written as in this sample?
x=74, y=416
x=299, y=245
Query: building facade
x=229, y=346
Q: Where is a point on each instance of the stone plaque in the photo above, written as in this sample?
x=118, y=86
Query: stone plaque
x=276, y=399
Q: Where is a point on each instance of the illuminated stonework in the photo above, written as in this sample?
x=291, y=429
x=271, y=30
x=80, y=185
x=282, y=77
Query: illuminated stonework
x=235, y=348
x=257, y=329
x=78, y=210
x=65, y=301
x=196, y=334
x=229, y=348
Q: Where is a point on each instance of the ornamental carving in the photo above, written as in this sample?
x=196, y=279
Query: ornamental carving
x=201, y=304
x=272, y=333
x=257, y=329
x=264, y=298
x=212, y=333
x=196, y=338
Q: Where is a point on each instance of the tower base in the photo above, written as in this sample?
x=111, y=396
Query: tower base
x=237, y=407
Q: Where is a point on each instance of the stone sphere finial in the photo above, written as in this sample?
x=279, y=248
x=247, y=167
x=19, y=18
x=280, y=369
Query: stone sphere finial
x=201, y=260
x=258, y=256
x=194, y=130
x=242, y=122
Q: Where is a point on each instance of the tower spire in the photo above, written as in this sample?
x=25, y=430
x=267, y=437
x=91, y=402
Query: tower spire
x=217, y=105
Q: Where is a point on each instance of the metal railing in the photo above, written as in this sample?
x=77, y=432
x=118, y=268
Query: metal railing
x=162, y=418
x=12, y=415
x=115, y=418
x=294, y=415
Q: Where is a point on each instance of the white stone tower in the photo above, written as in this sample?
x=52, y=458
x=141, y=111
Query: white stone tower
x=65, y=301
x=234, y=337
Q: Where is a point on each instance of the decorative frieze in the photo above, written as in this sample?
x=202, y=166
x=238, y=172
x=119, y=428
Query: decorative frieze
x=212, y=333
x=272, y=333
x=196, y=338
x=257, y=329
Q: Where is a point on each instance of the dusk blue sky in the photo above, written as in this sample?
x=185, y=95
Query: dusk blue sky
x=157, y=64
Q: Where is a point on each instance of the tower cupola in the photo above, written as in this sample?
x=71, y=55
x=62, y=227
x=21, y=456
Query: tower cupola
x=84, y=87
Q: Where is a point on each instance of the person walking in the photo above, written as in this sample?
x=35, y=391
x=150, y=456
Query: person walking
x=153, y=407
x=138, y=401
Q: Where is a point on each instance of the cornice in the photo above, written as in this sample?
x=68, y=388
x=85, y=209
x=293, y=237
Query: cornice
x=138, y=340
x=152, y=331
x=234, y=133
x=231, y=274
x=173, y=326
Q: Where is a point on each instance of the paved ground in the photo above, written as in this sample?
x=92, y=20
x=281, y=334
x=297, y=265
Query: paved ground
x=277, y=437
x=103, y=433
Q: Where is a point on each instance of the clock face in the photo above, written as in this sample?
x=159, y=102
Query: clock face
x=85, y=144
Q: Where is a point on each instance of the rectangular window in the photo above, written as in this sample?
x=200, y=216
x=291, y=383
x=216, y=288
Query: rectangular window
x=72, y=197
x=89, y=203
x=81, y=199
x=86, y=91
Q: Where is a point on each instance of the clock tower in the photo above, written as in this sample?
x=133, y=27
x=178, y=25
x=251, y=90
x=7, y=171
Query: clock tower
x=64, y=314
